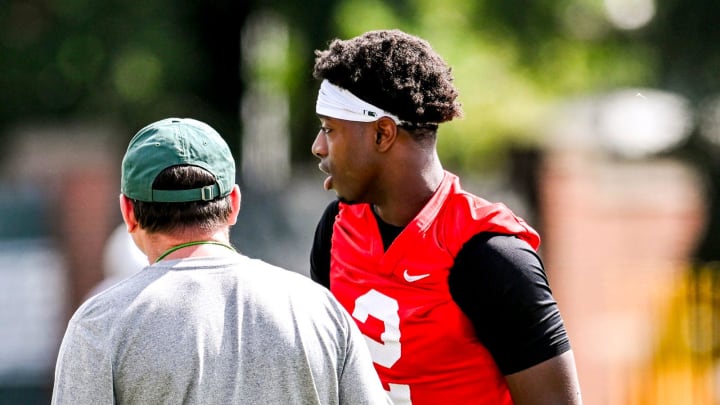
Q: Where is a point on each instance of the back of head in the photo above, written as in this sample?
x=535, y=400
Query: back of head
x=178, y=174
x=395, y=71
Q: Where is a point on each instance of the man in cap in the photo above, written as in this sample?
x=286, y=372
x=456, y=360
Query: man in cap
x=204, y=324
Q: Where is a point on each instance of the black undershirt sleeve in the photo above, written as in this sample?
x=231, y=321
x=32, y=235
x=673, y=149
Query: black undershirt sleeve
x=320, y=252
x=499, y=282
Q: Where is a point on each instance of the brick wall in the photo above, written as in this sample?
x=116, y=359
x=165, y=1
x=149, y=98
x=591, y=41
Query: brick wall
x=617, y=238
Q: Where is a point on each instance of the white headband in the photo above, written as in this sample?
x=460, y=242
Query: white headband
x=336, y=102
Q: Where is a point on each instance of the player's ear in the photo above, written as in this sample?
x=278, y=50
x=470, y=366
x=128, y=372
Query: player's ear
x=128, y=213
x=385, y=133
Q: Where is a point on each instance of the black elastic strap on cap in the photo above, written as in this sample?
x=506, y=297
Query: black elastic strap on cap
x=206, y=193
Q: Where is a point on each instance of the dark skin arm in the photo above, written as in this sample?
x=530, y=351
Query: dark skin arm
x=551, y=382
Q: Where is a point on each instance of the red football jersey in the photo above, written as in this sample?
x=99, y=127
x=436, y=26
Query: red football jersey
x=424, y=348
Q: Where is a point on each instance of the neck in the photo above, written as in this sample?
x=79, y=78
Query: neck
x=410, y=191
x=159, y=246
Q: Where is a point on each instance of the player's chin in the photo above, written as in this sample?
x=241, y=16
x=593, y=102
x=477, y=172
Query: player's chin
x=348, y=196
x=349, y=201
x=344, y=194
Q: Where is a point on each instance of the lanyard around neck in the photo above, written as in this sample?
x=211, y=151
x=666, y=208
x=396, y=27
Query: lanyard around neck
x=199, y=242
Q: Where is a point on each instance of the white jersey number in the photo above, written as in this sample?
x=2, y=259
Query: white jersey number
x=387, y=353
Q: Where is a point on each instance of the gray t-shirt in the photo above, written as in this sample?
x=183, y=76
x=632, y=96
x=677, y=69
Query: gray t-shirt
x=214, y=331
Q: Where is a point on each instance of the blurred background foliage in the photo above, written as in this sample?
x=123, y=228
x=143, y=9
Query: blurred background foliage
x=123, y=62
x=128, y=63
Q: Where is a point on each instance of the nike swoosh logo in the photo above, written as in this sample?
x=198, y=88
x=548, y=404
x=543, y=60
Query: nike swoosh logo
x=409, y=278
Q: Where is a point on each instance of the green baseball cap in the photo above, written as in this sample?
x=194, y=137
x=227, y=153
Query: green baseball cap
x=171, y=142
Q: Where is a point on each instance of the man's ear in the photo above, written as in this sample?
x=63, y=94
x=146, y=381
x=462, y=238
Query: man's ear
x=128, y=213
x=235, y=202
x=385, y=133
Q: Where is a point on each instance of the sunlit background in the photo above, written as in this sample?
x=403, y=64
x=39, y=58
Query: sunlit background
x=596, y=120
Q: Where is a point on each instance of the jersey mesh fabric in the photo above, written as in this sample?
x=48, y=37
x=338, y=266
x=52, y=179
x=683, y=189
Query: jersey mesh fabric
x=424, y=347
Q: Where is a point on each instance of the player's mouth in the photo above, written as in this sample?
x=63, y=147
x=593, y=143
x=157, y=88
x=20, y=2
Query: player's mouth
x=327, y=184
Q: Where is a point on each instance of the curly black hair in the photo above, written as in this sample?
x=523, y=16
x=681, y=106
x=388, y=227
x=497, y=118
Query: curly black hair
x=395, y=71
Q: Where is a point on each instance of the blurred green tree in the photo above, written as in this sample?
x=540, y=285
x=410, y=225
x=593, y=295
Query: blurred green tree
x=687, y=63
x=125, y=62
x=131, y=62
